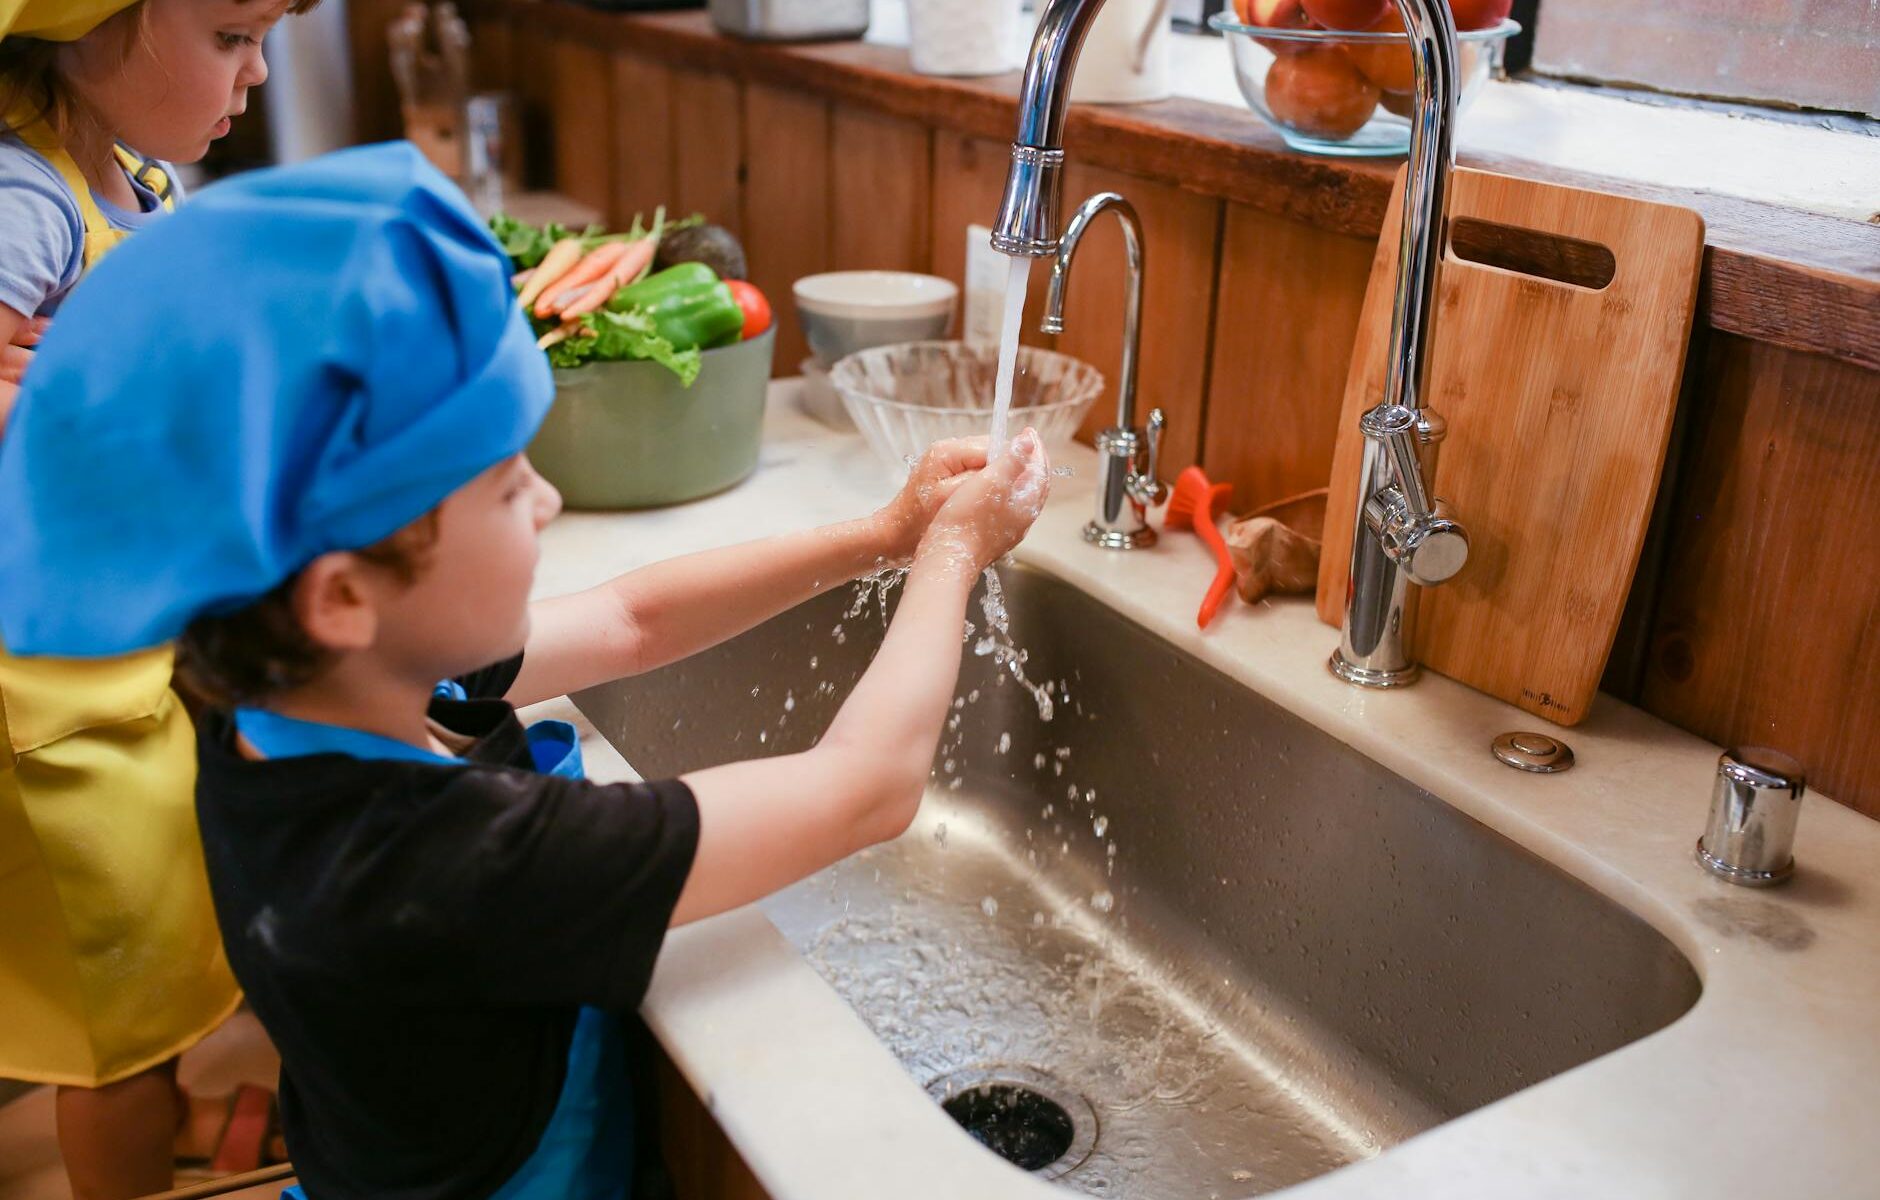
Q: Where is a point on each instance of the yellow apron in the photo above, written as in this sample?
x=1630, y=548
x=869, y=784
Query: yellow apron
x=110, y=960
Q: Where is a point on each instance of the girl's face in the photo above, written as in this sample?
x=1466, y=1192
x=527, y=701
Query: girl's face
x=469, y=605
x=168, y=76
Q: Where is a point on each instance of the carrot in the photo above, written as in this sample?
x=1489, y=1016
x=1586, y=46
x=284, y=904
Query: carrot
x=593, y=265
x=520, y=278
x=625, y=270
x=561, y=256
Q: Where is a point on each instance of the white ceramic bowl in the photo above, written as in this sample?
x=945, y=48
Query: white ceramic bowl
x=845, y=311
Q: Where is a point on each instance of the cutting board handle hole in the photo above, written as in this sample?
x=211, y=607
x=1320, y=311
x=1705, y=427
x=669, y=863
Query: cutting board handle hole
x=1532, y=252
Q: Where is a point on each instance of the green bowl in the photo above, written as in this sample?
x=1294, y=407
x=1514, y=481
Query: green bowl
x=628, y=435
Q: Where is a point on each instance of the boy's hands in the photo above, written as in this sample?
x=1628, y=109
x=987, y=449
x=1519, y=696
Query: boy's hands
x=939, y=474
x=987, y=512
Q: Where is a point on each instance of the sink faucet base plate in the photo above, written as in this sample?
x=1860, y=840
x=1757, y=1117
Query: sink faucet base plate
x=1110, y=538
x=1370, y=677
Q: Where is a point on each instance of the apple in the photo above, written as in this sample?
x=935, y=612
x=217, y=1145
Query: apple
x=1387, y=64
x=1347, y=14
x=1480, y=14
x=1320, y=94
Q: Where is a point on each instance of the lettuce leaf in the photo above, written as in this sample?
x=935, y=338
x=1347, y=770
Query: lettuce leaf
x=624, y=336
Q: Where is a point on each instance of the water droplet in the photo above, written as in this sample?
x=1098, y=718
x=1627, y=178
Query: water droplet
x=1005, y=742
x=1048, y=810
x=1100, y=826
x=989, y=906
x=948, y=766
x=754, y=691
x=1241, y=1175
x=812, y=662
x=940, y=835
x=1090, y=795
x=763, y=735
x=1072, y=792
x=1103, y=901
x=1063, y=752
x=1037, y=761
x=789, y=702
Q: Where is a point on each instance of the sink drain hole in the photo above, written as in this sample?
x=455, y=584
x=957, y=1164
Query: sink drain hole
x=1024, y=1115
x=1015, y=1123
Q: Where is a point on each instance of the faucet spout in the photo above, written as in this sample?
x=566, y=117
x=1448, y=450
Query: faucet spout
x=1402, y=537
x=1027, y=224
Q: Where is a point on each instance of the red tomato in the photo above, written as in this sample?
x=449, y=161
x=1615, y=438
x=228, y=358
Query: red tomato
x=1320, y=94
x=1346, y=14
x=756, y=308
x=1480, y=14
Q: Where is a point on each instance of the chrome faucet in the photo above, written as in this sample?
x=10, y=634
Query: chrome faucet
x=1124, y=492
x=1401, y=535
x=1027, y=224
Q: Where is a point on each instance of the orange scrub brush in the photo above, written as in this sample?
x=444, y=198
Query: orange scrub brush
x=1191, y=505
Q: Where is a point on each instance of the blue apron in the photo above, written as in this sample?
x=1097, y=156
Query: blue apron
x=586, y=1152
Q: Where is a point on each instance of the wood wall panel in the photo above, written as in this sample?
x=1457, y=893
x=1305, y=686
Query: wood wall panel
x=881, y=214
x=707, y=148
x=583, y=129
x=787, y=205
x=1287, y=312
x=1181, y=242
x=1768, y=626
x=641, y=159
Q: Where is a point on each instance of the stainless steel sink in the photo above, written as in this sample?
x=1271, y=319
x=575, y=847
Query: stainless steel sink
x=1236, y=953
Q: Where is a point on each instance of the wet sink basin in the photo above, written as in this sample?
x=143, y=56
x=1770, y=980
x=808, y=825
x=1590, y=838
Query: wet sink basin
x=1173, y=941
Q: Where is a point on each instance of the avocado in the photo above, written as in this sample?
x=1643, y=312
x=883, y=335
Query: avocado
x=712, y=245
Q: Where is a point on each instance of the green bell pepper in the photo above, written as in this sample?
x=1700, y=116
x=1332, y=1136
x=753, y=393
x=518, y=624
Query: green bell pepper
x=689, y=304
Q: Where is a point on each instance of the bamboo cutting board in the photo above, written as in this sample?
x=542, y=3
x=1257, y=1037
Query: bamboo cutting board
x=1559, y=397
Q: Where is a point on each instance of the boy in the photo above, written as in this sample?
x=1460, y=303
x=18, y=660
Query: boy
x=317, y=482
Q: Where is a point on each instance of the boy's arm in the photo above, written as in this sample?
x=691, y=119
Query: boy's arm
x=766, y=823
x=669, y=610
x=664, y=612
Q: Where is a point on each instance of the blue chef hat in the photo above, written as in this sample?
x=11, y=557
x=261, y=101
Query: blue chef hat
x=300, y=360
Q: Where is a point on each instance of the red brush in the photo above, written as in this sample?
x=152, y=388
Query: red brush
x=1191, y=505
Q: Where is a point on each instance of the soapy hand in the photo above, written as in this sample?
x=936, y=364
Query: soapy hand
x=988, y=511
x=939, y=474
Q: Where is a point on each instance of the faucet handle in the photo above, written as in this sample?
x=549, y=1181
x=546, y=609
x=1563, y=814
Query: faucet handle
x=1147, y=486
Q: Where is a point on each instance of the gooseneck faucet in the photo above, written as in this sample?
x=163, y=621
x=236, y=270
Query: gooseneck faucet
x=1126, y=487
x=1401, y=534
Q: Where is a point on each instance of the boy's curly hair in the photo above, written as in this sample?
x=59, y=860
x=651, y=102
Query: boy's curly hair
x=29, y=73
x=243, y=657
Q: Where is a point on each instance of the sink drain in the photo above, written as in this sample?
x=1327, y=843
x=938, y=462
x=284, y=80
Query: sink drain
x=1022, y=1115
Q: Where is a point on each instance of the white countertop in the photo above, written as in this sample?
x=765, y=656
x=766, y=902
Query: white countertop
x=1766, y=1088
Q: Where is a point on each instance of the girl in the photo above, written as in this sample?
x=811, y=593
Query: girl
x=440, y=922
x=110, y=964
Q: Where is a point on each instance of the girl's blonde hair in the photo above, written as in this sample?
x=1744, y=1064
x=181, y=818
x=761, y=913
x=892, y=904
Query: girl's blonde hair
x=29, y=73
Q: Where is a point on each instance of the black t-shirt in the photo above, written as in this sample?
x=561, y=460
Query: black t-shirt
x=418, y=939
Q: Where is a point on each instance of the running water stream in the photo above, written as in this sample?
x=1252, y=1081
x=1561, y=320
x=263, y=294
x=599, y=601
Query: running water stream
x=1018, y=276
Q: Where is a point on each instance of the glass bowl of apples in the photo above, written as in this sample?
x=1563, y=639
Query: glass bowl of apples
x=1336, y=76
